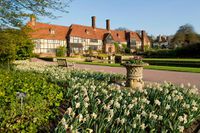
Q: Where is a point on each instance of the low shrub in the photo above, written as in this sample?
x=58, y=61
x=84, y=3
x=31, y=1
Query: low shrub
x=127, y=50
x=61, y=51
x=118, y=59
x=102, y=56
x=28, y=101
x=46, y=58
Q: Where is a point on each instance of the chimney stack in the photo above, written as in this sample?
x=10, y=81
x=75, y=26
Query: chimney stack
x=159, y=38
x=93, y=22
x=33, y=20
x=143, y=39
x=108, y=24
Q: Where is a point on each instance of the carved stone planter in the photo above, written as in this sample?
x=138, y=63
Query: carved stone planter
x=134, y=75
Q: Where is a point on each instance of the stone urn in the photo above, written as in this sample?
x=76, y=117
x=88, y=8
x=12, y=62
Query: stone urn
x=134, y=75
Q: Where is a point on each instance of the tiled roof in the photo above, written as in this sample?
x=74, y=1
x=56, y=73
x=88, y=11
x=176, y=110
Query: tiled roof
x=42, y=31
x=135, y=35
x=97, y=33
x=146, y=38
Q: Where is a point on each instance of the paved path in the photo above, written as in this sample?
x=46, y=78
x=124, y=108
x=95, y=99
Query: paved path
x=151, y=75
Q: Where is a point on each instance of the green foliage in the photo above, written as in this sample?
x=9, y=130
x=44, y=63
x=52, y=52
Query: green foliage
x=161, y=53
x=118, y=59
x=190, y=51
x=124, y=46
x=185, y=36
x=13, y=12
x=90, y=51
x=60, y=51
x=173, y=62
x=127, y=50
x=24, y=44
x=146, y=47
x=117, y=48
x=47, y=58
x=137, y=60
x=102, y=56
x=15, y=44
x=120, y=48
x=35, y=110
x=7, y=48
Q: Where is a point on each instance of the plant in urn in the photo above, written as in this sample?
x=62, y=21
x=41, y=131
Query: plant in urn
x=134, y=69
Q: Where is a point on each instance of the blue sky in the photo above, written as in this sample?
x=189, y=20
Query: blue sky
x=154, y=16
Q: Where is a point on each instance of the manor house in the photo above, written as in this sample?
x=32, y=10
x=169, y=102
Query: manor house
x=81, y=38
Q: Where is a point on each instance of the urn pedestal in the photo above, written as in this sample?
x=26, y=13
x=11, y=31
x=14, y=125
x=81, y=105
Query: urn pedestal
x=134, y=75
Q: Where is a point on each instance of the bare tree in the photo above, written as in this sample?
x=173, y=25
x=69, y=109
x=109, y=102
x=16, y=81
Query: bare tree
x=122, y=29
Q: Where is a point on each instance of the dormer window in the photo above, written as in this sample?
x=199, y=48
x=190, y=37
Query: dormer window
x=118, y=35
x=86, y=31
x=51, y=31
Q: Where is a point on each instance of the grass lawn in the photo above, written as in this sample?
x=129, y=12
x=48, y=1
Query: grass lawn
x=153, y=67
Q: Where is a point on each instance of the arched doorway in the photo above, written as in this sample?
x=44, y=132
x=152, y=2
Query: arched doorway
x=110, y=50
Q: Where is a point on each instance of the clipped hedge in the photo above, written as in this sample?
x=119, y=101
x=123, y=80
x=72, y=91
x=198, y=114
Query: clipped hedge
x=161, y=53
x=173, y=63
x=190, y=51
x=47, y=58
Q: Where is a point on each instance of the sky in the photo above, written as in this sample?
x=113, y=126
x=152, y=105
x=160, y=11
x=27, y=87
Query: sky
x=154, y=16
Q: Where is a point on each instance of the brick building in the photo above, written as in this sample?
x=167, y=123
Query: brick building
x=80, y=38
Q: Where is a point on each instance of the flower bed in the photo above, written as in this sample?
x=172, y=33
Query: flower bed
x=100, y=108
x=94, y=104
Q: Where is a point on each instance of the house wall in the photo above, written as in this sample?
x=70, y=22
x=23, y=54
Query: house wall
x=138, y=44
x=86, y=43
x=47, y=46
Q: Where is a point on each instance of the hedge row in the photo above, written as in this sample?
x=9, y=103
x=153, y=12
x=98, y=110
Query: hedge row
x=173, y=63
x=191, y=51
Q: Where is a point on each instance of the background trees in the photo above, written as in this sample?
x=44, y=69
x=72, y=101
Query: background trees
x=122, y=29
x=185, y=35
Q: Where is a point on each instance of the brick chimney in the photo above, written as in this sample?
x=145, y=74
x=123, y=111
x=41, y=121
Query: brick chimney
x=94, y=22
x=33, y=20
x=143, y=33
x=108, y=24
x=159, y=38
